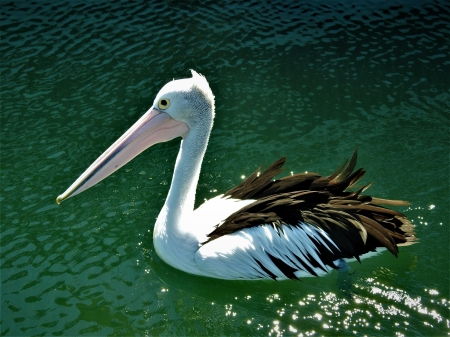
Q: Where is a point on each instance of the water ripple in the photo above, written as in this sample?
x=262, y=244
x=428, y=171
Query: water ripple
x=307, y=80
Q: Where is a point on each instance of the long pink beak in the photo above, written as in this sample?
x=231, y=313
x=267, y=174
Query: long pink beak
x=153, y=127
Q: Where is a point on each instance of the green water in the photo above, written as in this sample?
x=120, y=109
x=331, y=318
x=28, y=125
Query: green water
x=310, y=82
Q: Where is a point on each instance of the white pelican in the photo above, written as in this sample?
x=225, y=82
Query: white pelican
x=300, y=225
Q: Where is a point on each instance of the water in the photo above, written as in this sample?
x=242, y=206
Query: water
x=310, y=82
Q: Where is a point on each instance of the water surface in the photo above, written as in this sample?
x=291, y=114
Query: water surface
x=306, y=81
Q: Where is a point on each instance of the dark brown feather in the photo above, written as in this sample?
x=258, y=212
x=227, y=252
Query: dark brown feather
x=323, y=202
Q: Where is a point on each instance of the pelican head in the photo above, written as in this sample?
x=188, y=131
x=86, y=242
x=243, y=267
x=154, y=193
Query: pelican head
x=182, y=107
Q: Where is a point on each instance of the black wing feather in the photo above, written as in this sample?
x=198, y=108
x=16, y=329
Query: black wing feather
x=323, y=202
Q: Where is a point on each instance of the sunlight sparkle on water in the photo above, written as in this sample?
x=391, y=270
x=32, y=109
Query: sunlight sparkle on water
x=401, y=299
x=229, y=311
x=274, y=297
x=432, y=291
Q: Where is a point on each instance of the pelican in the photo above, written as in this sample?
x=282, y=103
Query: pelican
x=300, y=225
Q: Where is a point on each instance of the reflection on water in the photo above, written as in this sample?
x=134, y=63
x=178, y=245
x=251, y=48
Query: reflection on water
x=309, y=81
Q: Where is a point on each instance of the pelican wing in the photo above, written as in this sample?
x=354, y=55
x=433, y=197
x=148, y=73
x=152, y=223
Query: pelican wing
x=305, y=213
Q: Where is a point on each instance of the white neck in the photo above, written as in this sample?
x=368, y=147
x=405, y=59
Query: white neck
x=173, y=241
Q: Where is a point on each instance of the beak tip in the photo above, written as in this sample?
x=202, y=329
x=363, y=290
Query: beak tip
x=59, y=199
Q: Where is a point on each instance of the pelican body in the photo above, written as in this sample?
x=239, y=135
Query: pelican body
x=296, y=226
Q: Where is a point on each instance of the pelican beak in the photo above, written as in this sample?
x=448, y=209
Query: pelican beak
x=153, y=127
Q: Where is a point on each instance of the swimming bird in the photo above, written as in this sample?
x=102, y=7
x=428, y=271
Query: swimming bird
x=264, y=228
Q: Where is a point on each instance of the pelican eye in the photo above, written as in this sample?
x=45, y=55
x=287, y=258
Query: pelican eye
x=164, y=103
